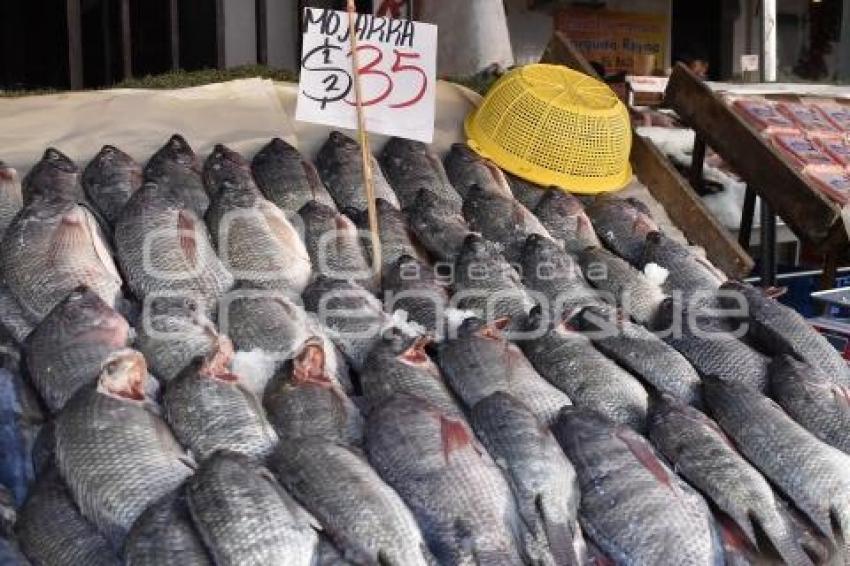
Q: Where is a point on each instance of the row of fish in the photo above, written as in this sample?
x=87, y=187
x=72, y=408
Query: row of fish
x=202, y=368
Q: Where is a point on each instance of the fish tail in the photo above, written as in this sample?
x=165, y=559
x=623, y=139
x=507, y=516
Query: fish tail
x=778, y=530
x=561, y=536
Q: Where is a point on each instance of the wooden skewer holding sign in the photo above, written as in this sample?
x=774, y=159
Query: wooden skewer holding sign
x=368, y=179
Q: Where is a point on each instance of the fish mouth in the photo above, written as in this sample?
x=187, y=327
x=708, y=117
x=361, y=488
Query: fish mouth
x=309, y=365
x=217, y=363
x=415, y=354
x=123, y=375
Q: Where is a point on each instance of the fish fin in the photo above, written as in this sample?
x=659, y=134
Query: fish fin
x=454, y=435
x=312, y=175
x=778, y=529
x=774, y=292
x=279, y=225
x=645, y=455
x=560, y=536
x=71, y=235
x=99, y=245
x=743, y=519
x=186, y=235
x=841, y=393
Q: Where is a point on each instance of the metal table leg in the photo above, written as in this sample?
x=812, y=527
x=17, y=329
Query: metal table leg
x=768, y=246
x=747, y=214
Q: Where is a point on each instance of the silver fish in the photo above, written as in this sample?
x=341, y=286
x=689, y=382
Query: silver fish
x=526, y=192
x=55, y=176
x=465, y=168
x=11, y=200
x=287, y=178
x=623, y=226
x=413, y=286
x=411, y=166
x=109, y=180
x=223, y=165
x=176, y=168
x=564, y=217
x=393, y=234
x=438, y=225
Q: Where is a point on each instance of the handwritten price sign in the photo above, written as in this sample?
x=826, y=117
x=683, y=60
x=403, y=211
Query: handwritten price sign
x=397, y=73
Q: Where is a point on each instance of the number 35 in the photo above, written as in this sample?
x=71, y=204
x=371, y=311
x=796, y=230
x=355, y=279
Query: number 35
x=398, y=67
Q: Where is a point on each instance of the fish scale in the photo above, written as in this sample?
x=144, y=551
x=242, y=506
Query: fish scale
x=287, y=178
x=411, y=166
x=438, y=225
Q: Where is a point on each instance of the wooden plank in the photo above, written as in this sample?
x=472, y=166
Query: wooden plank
x=262, y=15
x=810, y=215
x=75, y=44
x=126, y=39
x=561, y=51
x=219, y=34
x=174, y=29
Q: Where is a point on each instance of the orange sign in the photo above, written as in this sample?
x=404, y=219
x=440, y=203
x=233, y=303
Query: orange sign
x=615, y=39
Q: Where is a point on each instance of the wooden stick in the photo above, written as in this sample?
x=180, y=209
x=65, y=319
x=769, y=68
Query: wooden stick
x=368, y=180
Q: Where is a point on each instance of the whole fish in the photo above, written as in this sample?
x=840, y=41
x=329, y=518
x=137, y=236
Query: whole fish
x=466, y=168
x=305, y=400
x=109, y=180
x=778, y=329
x=353, y=317
x=246, y=518
x=411, y=166
x=399, y=364
x=172, y=333
x=487, y=284
x=255, y=240
x=543, y=480
x=557, y=278
x=340, y=165
x=393, y=234
x=176, y=168
x=641, y=352
x=711, y=344
x=526, y=192
x=52, y=247
x=13, y=319
x=209, y=409
x=814, y=475
x=11, y=200
x=502, y=220
x=333, y=243
x=687, y=274
x=165, y=536
x=364, y=517
x=55, y=176
x=564, y=217
x=458, y=495
x=165, y=251
x=287, y=178
x=438, y=226
x=481, y=361
x=629, y=288
x=223, y=165
x=622, y=225
x=813, y=399
x=413, y=286
x=632, y=505
x=700, y=452
x=568, y=360
x=51, y=530
x=66, y=351
x=21, y=419
x=109, y=440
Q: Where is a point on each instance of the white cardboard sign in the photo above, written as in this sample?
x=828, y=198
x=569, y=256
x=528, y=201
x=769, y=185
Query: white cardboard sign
x=398, y=73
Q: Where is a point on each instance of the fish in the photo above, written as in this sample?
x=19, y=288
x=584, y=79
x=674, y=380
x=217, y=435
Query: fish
x=340, y=166
x=52, y=247
x=13, y=319
x=563, y=216
x=487, y=284
x=568, y=360
x=641, y=352
x=329, y=555
x=814, y=475
x=165, y=251
x=481, y=361
x=411, y=166
x=438, y=226
x=21, y=419
x=778, y=329
x=287, y=178
x=176, y=167
x=458, y=495
x=361, y=514
x=393, y=235
x=51, y=530
x=54, y=177
x=688, y=275
x=165, y=536
x=256, y=241
x=465, y=168
x=333, y=243
x=813, y=399
x=11, y=199
x=245, y=517
x=637, y=295
x=556, y=277
x=710, y=343
x=622, y=225
x=109, y=180
x=502, y=220
x=223, y=165
x=353, y=317
x=65, y=352
x=412, y=285
x=632, y=505
x=209, y=409
x=110, y=440
x=172, y=333
x=543, y=480
x=399, y=364
x=700, y=452
x=529, y=194
x=304, y=400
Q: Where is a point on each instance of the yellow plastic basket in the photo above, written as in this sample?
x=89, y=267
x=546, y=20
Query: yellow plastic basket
x=554, y=126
